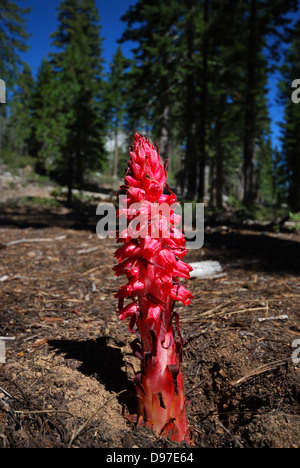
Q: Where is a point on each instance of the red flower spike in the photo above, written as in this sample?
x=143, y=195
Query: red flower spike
x=152, y=264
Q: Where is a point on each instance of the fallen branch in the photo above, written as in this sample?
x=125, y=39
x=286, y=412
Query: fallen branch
x=90, y=195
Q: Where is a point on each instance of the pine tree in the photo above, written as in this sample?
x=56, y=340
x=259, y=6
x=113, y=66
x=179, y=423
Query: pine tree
x=190, y=77
x=261, y=22
x=13, y=37
x=290, y=128
x=152, y=25
x=19, y=122
x=79, y=68
x=242, y=49
x=265, y=174
x=280, y=178
x=200, y=76
x=116, y=96
x=46, y=139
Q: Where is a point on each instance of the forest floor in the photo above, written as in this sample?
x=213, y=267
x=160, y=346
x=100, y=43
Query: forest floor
x=70, y=359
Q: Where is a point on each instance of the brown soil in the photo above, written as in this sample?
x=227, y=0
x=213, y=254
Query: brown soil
x=61, y=384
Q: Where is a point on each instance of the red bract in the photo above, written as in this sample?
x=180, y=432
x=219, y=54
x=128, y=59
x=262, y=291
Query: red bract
x=153, y=265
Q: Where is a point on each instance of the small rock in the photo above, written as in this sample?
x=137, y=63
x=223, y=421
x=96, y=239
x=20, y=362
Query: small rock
x=205, y=269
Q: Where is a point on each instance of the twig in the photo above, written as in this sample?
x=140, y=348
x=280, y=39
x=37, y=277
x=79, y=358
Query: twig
x=290, y=295
x=287, y=329
x=87, y=251
x=76, y=433
x=254, y=309
x=5, y=392
x=238, y=443
x=92, y=270
x=27, y=241
x=279, y=317
x=44, y=412
x=195, y=386
x=260, y=370
x=215, y=312
x=199, y=317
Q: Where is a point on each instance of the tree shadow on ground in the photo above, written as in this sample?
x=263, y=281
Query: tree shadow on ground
x=256, y=249
x=256, y=252
x=102, y=361
x=81, y=215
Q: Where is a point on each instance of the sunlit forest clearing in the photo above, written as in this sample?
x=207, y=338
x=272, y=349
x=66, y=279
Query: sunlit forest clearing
x=199, y=82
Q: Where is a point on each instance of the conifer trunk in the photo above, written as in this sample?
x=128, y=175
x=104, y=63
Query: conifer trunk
x=250, y=118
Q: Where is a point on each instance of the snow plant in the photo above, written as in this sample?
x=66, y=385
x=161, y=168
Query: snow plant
x=153, y=266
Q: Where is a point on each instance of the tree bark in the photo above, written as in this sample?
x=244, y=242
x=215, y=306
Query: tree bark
x=191, y=156
x=203, y=110
x=165, y=137
x=116, y=155
x=250, y=118
x=70, y=181
x=220, y=152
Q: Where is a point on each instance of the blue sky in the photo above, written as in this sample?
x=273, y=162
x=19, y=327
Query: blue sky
x=42, y=21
